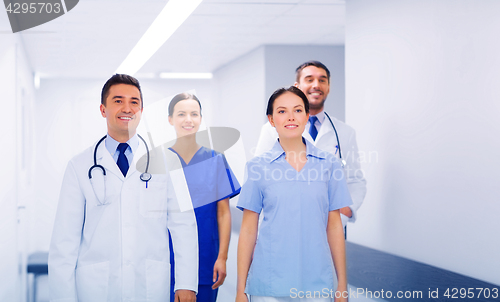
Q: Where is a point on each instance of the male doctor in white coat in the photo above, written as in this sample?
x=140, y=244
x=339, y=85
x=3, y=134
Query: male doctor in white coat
x=313, y=78
x=110, y=240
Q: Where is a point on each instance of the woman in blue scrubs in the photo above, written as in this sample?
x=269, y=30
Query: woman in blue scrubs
x=299, y=190
x=211, y=183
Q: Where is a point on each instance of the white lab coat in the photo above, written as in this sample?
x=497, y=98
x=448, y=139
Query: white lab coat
x=119, y=251
x=327, y=141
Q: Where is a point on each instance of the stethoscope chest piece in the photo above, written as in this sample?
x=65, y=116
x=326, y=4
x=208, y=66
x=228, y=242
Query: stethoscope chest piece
x=145, y=177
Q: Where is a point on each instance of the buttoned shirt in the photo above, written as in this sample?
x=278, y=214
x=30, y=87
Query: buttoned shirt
x=292, y=250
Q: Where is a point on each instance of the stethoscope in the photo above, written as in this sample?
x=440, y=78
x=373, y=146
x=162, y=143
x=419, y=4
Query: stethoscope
x=342, y=161
x=144, y=176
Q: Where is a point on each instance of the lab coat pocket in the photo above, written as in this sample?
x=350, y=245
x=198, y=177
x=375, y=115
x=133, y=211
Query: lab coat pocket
x=153, y=199
x=92, y=282
x=157, y=280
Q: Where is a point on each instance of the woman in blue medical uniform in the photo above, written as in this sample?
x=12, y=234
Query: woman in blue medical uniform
x=211, y=183
x=299, y=190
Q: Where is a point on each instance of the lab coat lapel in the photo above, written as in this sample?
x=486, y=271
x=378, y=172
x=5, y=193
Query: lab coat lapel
x=307, y=136
x=106, y=160
x=326, y=127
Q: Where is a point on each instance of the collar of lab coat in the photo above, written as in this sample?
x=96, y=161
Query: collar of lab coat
x=106, y=160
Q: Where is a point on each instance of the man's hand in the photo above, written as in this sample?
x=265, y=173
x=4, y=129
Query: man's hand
x=346, y=211
x=220, y=271
x=185, y=295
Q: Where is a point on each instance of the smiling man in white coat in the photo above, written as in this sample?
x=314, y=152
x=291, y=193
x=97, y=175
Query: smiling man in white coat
x=325, y=132
x=110, y=239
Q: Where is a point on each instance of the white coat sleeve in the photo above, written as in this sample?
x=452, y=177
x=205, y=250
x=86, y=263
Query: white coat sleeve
x=267, y=138
x=66, y=238
x=184, y=232
x=356, y=181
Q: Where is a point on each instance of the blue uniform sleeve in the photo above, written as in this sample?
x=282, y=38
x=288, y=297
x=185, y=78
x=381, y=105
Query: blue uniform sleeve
x=227, y=184
x=338, y=193
x=251, y=197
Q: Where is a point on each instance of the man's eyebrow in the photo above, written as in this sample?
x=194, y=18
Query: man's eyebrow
x=321, y=76
x=121, y=97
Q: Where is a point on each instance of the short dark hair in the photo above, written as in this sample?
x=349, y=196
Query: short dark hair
x=317, y=64
x=281, y=91
x=181, y=97
x=119, y=79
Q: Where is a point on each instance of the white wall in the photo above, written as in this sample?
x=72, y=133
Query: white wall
x=239, y=93
x=422, y=91
x=16, y=181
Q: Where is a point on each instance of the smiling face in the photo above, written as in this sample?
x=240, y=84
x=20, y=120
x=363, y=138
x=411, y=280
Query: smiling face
x=289, y=116
x=122, y=110
x=314, y=82
x=186, y=117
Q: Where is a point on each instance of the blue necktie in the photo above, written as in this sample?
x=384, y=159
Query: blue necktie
x=312, y=128
x=122, y=161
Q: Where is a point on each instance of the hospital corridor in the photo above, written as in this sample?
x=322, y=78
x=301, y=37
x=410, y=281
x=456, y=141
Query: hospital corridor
x=133, y=132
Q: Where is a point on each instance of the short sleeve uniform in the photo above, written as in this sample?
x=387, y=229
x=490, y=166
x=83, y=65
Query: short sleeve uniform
x=292, y=249
x=209, y=179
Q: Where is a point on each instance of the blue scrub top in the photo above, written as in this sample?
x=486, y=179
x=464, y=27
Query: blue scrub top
x=209, y=179
x=292, y=248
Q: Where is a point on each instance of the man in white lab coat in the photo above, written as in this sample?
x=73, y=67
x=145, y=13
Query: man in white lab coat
x=313, y=78
x=110, y=239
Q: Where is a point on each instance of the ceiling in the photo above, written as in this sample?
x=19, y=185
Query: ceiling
x=91, y=40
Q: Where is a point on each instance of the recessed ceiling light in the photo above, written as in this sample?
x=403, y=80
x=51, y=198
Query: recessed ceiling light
x=168, y=21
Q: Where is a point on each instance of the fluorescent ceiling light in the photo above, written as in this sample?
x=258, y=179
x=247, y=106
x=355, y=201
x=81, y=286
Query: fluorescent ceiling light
x=168, y=21
x=186, y=75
